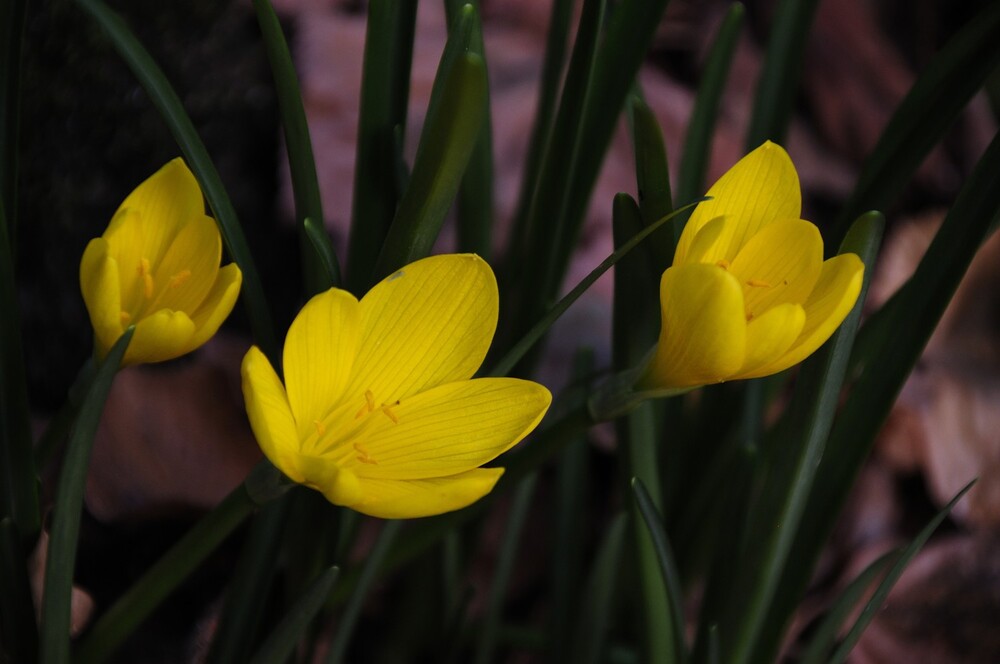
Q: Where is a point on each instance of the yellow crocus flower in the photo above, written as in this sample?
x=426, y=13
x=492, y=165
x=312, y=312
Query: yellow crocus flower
x=749, y=293
x=157, y=267
x=379, y=410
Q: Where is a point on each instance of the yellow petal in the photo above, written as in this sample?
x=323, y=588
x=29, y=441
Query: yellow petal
x=100, y=287
x=161, y=336
x=165, y=201
x=705, y=241
x=446, y=430
x=779, y=264
x=702, y=328
x=761, y=188
x=188, y=269
x=125, y=237
x=826, y=308
x=427, y=324
x=338, y=485
x=217, y=305
x=319, y=354
x=269, y=414
x=770, y=336
x=409, y=499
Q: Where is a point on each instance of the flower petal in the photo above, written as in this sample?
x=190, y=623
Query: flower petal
x=269, y=414
x=409, y=499
x=761, y=188
x=446, y=430
x=188, y=269
x=427, y=324
x=319, y=354
x=125, y=238
x=779, y=264
x=216, y=306
x=826, y=308
x=769, y=336
x=101, y=293
x=161, y=336
x=703, y=328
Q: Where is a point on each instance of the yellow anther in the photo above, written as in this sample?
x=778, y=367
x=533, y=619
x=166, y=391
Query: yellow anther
x=723, y=263
x=144, y=272
x=757, y=283
x=125, y=316
x=387, y=409
x=370, y=400
x=363, y=456
x=749, y=316
x=320, y=428
x=179, y=278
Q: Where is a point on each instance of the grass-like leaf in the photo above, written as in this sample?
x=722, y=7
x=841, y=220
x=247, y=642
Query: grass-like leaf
x=475, y=195
x=302, y=165
x=822, y=642
x=779, y=78
x=280, y=644
x=653, y=183
x=63, y=538
x=327, y=268
x=369, y=574
x=487, y=642
x=792, y=460
x=12, y=21
x=385, y=90
x=882, y=591
x=941, y=91
x=701, y=128
x=446, y=143
x=166, y=101
x=596, y=613
x=668, y=568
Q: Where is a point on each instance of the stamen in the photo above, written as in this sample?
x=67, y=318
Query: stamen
x=179, y=278
x=144, y=271
x=749, y=316
x=125, y=316
x=369, y=405
x=320, y=428
x=723, y=263
x=387, y=409
x=757, y=283
x=363, y=456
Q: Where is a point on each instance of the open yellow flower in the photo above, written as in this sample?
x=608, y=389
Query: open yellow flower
x=748, y=294
x=379, y=410
x=157, y=267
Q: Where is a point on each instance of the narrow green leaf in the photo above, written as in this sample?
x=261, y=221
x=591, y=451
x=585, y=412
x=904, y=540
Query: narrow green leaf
x=449, y=135
x=596, y=613
x=941, y=91
x=546, y=217
x=18, y=632
x=302, y=165
x=385, y=89
x=369, y=573
x=280, y=644
x=775, y=519
x=569, y=535
x=523, y=496
x=653, y=183
x=18, y=482
x=882, y=592
x=58, y=428
x=822, y=641
x=249, y=585
x=552, y=70
x=701, y=128
x=132, y=608
x=475, y=196
x=620, y=53
x=12, y=21
x=328, y=270
x=668, y=568
x=779, y=77
x=520, y=349
x=166, y=101
x=61, y=558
